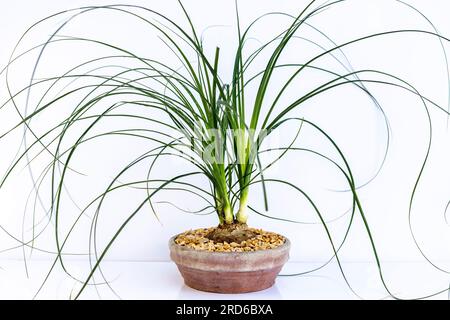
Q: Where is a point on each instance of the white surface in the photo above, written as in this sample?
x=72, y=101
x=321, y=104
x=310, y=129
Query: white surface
x=161, y=280
x=386, y=199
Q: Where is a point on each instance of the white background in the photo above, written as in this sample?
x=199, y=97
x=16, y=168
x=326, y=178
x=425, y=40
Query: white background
x=346, y=114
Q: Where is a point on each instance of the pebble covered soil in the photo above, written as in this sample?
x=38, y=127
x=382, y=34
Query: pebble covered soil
x=196, y=239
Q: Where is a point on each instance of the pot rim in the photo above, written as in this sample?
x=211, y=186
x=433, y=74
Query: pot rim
x=173, y=245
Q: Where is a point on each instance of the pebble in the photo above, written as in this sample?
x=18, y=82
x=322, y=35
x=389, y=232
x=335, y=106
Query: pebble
x=197, y=240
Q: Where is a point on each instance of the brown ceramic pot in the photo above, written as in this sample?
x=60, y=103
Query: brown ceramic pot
x=229, y=272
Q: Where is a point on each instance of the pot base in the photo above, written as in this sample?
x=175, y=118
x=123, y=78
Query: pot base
x=229, y=282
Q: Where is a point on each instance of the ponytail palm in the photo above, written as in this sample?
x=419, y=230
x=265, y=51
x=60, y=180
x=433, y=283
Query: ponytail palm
x=219, y=127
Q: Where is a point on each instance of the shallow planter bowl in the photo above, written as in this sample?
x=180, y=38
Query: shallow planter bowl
x=229, y=272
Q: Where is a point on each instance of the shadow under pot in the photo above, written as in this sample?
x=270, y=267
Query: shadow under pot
x=229, y=272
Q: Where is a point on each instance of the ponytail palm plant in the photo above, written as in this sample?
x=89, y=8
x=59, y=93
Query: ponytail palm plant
x=217, y=124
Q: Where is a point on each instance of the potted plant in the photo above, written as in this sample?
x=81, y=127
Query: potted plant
x=219, y=126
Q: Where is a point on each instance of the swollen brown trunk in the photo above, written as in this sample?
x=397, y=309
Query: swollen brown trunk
x=234, y=232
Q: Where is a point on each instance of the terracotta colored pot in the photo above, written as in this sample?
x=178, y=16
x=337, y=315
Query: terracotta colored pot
x=229, y=272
